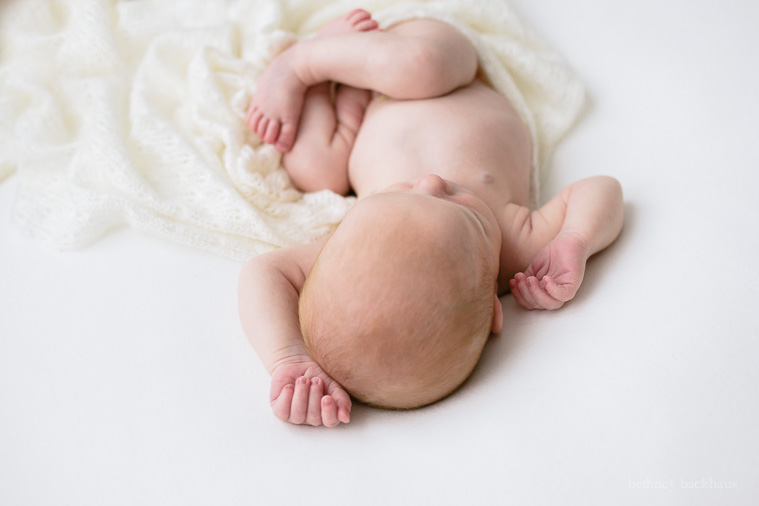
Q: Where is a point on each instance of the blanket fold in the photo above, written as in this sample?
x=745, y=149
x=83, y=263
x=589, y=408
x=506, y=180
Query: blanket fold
x=132, y=112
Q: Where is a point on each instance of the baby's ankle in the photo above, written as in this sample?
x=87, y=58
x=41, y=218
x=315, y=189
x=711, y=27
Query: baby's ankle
x=302, y=58
x=294, y=62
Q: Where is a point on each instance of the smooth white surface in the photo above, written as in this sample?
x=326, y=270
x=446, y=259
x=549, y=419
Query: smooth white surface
x=125, y=378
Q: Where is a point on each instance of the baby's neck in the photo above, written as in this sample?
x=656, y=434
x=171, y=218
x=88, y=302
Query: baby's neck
x=494, y=191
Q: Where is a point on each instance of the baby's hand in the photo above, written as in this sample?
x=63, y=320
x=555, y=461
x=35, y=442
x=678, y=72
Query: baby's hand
x=302, y=393
x=554, y=275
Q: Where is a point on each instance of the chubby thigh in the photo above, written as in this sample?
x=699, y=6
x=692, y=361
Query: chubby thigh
x=455, y=46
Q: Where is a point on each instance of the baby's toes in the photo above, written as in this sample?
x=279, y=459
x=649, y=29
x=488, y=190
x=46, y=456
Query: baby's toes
x=254, y=118
x=261, y=127
x=251, y=111
x=357, y=15
x=286, y=138
x=272, y=132
x=362, y=21
x=366, y=25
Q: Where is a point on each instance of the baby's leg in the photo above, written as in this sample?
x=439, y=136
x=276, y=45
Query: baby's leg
x=275, y=110
x=319, y=158
x=326, y=132
x=413, y=60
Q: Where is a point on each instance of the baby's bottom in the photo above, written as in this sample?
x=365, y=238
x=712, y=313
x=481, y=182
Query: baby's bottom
x=415, y=59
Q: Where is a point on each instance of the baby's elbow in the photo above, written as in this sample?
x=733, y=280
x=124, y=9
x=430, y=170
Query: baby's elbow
x=612, y=189
x=246, y=277
x=612, y=186
x=251, y=273
x=249, y=268
x=617, y=196
x=608, y=188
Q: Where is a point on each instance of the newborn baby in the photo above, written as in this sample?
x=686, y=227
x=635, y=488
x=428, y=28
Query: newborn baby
x=396, y=306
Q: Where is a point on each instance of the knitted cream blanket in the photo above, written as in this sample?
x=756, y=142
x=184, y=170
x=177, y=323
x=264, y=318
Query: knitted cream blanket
x=117, y=112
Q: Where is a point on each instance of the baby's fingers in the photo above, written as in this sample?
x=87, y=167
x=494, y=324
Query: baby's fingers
x=344, y=411
x=281, y=406
x=299, y=405
x=521, y=292
x=560, y=292
x=313, y=417
x=513, y=286
x=343, y=402
x=329, y=412
x=541, y=296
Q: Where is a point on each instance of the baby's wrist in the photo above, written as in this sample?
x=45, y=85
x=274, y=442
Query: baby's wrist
x=290, y=355
x=581, y=242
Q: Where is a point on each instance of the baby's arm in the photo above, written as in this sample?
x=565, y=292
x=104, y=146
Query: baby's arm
x=581, y=220
x=268, y=293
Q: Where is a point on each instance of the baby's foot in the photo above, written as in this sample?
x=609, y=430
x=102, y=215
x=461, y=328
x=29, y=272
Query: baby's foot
x=276, y=107
x=357, y=20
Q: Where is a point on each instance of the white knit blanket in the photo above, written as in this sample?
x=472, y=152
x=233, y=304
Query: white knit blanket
x=131, y=112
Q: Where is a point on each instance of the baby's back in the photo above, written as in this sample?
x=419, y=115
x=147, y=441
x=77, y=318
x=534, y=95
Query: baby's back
x=472, y=136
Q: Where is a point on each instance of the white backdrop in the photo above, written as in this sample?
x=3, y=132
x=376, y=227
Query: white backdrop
x=125, y=378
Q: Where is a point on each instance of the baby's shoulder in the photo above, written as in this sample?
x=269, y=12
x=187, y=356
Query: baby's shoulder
x=515, y=221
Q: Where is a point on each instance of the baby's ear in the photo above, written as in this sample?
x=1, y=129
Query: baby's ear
x=497, y=315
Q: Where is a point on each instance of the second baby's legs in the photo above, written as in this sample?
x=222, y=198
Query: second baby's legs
x=413, y=60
